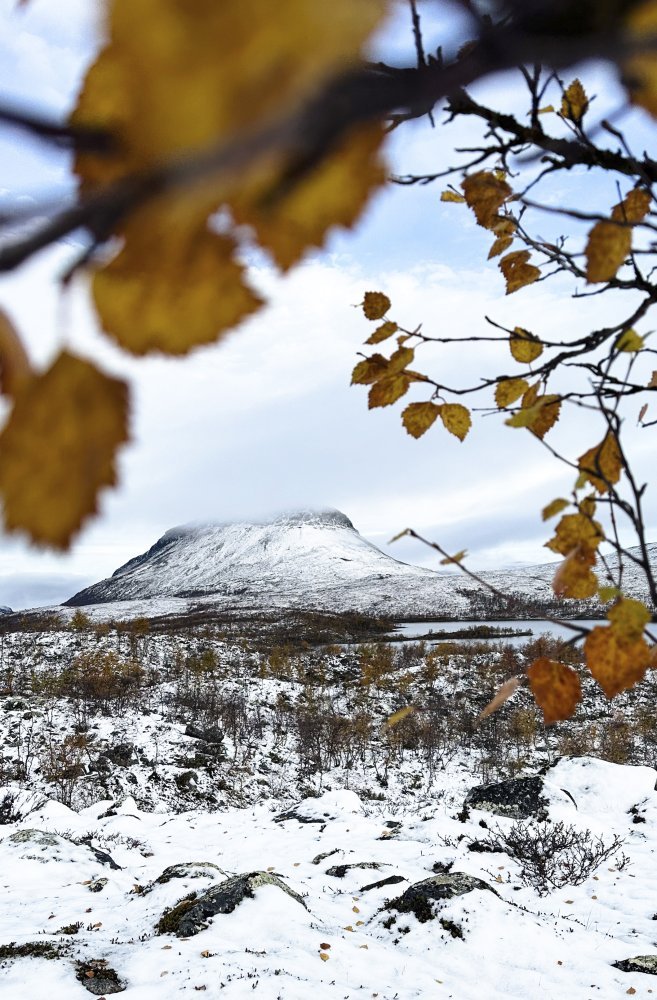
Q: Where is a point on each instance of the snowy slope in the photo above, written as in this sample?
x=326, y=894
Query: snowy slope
x=304, y=560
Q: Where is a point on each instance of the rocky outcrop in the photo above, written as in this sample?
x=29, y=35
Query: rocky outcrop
x=420, y=897
x=194, y=913
x=517, y=798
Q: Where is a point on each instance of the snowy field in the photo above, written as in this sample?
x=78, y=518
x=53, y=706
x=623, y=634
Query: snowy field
x=335, y=942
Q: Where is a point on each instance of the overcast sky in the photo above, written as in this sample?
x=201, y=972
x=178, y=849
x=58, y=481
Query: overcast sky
x=266, y=420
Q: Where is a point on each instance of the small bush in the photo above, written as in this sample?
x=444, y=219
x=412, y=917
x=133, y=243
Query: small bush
x=551, y=855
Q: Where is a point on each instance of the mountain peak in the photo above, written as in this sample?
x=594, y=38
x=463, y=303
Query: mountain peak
x=299, y=558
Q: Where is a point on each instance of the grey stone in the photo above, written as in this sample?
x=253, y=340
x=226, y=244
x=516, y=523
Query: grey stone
x=194, y=913
x=516, y=798
x=420, y=896
x=640, y=963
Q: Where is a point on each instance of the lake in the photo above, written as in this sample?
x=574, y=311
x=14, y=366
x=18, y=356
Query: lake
x=411, y=630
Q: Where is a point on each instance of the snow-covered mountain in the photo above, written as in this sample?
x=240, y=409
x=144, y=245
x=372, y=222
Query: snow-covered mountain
x=311, y=560
x=305, y=560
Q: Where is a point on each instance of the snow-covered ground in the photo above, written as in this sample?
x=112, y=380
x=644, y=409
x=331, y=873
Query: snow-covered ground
x=510, y=943
x=155, y=784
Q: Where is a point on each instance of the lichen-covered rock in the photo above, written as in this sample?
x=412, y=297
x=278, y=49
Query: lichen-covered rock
x=97, y=884
x=640, y=963
x=516, y=798
x=193, y=913
x=420, y=896
x=40, y=838
x=98, y=978
x=339, y=871
x=188, y=869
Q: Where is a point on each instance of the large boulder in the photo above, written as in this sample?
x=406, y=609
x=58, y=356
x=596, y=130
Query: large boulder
x=516, y=798
x=193, y=913
x=420, y=897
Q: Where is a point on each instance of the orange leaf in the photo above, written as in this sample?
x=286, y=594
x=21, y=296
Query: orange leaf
x=606, y=250
x=525, y=347
x=629, y=618
x=575, y=577
x=382, y=333
x=15, y=368
x=574, y=103
x=508, y=390
x=388, y=390
x=502, y=695
x=556, y=688
x=375, y=305
x=369, y=370
x=57, y=450
x=615, y=665
x=456, y=418
x=575, y=531
x=485, y=194
x=417, y=418
x=517, y=271
x=602, y=464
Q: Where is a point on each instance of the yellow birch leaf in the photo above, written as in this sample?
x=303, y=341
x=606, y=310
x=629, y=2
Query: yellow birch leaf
x=633, y=208
x=615, y=666
x=370, y=370
x=501, y=696
x=485, y=194
x=556, y=688
x=629, y=618
x=456, y=418
x=388, y=390
x=525, y=347
x=453, y=196
x=540, y=417
x=382, y=333
x=546, y=110
x=501, y=244
x=602, y=464
x=531, y=395
x=58, y=447
x=399, y=716
x=554, y=507
x=574, y=103
x=15, y=368
x=170, y=293
x=575, y=577
x=375, y=305
x=456, y=559
x=575, y=531
x=333, y=193
x=548, y=410
x=400, y=360
x=508, y=390
x=205, y=71
x=517, y=271
x=607, y=248
x=629, y=341
x=640, y=71
x=503, y=225
x=417, y=418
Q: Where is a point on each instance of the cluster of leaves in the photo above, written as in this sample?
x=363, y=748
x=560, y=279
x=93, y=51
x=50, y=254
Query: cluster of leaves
x=616, y=655
x=174, y=84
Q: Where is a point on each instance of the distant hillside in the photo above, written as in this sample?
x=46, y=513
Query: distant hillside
x=315, y=560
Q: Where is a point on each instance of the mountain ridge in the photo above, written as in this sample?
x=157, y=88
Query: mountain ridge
x=311, y=560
